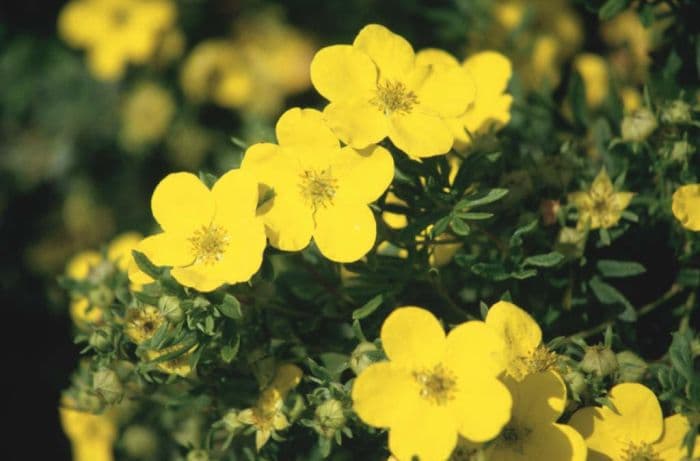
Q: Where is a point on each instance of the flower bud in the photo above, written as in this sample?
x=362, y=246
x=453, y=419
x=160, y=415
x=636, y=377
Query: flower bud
x=89, y=402
x=360, y=359
x=677, y=112
x=639, y=125
x=101, y=340
x=140, y=442
x=106, y=384
x=101, y=296
x=571, y=242
x=231, y=421
x=577, y=383
x=549, y=209
x=329, y=417
x=599, y=360
x=198, y=455
x=632, y=367
x=171, y=309
x=680, y=151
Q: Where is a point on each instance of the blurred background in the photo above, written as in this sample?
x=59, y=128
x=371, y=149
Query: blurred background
x=99, y=99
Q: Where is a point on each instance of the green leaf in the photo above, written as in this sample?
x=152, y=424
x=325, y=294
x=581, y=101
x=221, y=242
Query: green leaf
x=689, y=277
x=146, y=266
x=208, y=179
x=441, y=225
x=544, y=260
x=607, y=294
x=484, y=308
x=489, y=197
x=229, y=352
x=516, y=239
x=474, y=216
x=681, y=354
x=611, y=8
x=604, y=236
x=368, y=308
x=616, y=269
x=492, y=271
x=231, y=307
x=459, y=227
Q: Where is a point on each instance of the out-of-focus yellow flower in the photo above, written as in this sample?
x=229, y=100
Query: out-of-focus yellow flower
x=633, y=43
x=115, y=32
x=433, y=388
x=394, y=220
x=631, y=99
x=142, y=323
x=600, y=206
x=524, y=353
x=509, y=14
x=377, y=89
x=545, y=62
x=634, y=430
x=686, y=206
x=210, y=237
x=596, y=80
x=146, y=115
x=320, y=190
x=92, y=436
x=267, y=415
x=119, y=249
x=179, y=365
x=79, y=268
x=533, y=433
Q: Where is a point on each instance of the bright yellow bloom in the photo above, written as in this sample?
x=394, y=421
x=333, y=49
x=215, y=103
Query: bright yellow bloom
x=210, y=237
x=143, y=323
x=524, y=353
x=119, y=249
x=433, y=388
x=533, y=433
x=376, y=89
x=635, y=430
x=686, y=206
x=267, y=416
x=320, y=190
x=600, y=206
x=596, y=80
x=146, y=115
x=631, y=99
x=79, y=268
x=115, y=32
x=92, y=436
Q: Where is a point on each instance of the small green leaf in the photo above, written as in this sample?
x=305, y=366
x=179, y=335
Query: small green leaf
x=612, y=8
x=231, y=307
x=208, y=179
x=689, y=277
x=607, y=294
x=492, y=271
x=489, y=197
x=474, y=216
x=229, y=352
x=681, y=354
x=517, y=237
x=613, y=269
x=441, y=225
x=544, y=260
x=368, y=308
x=146, y=266
x=459, y=227
x=484, y=308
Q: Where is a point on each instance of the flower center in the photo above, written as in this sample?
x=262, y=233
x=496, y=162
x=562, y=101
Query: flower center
x=394, y=96
x=120, y=16
x=641, y=452
x=601, y=205
x=437, y=385
x=513, y=437
x=318, y=187
x=541, y=359
x=142, y=324
x=209, y=243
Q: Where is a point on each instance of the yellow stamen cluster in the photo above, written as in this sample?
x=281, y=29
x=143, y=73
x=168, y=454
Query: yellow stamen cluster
x=394, y=96
x=438, y=385
x=641, y=452
x=142, y=324
x=209, y=244
x=318, y=187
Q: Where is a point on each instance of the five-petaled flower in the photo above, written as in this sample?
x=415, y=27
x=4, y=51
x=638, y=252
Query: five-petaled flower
x=433, y=388
x=600, y=206
x=210, y=237
x=377, y=88
x=686, y=206
x=320, y=190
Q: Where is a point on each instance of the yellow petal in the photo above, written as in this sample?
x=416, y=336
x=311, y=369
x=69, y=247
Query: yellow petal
x=412, y=337
x=304, y=127
x=236, y=197
x=602, y=185
x=345, y=232
x=551, y=442
x=540, y=398
x=119, y=249
x=425, y=431
x=80, y=265
x=670, y=447
x=686, y=206
x=594, y=73
x=93, y=450
x=83, y=313
x=197, y=276
x=356, y=122
x=244, y=252
x=289, y=222
x=342, y=72
x=392, y=54
x=181, y=203
x=363, y=175
x=271, y=165
x=517, y=329
x=107, y=61
x=436, y=58
x=485, y=348
x=381, y=392
x=447, y=92
x=167, y=249
x=481, y=407
x=622, y=200
x=603, y=445
x=488, y=114
x=491, y=71
x=420, y=135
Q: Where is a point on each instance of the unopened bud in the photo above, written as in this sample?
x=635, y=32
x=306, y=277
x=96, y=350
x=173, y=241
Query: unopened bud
x=549, y=209
x=571, y=242
x=677, y=112
x=361, y=357
x=631, y=367
x=106, y=384
x=599, y=360
x=680, y=151
x=639, y=125
x=101, y=296
x=198, y=455
x=140, y=442
x=231, y=421
x=101, y=340
x=577, y=383
x=171, y=309
x=330, y=417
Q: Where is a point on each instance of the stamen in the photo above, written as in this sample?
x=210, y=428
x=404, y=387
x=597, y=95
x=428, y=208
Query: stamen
x=394, y=96
x=209, y=244
x=437, y=385
x=318, y=187
x=641, y=452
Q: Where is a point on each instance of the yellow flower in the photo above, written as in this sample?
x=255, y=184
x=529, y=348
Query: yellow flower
x=533, y=433
x=594, y=72
x=92, y=436
x=210, y=237
x=633, y=42
x=79, y=268
x=600, y=206
x=635, y=430
x=267, y=416
x=392, y=219
x=490, y=71
x=142, y=324
x=686, y=206
x=115, y=32
x=320, y=190
x=524, y=353
x=631, y=99
x=119, y=249
x=377, y=89
x=545, y=62
x=179, y=365
x=433, y=388
x=146, y=115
